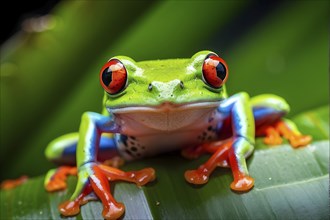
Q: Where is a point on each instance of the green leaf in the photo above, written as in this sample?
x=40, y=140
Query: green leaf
x=289, y=184
x=49, y=78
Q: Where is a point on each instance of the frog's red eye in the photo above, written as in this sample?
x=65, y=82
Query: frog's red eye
x=215, y=71
x=113, y=76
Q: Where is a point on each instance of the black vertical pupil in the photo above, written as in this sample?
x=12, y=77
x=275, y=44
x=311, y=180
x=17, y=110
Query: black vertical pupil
x=107, y=76
x=221, y=71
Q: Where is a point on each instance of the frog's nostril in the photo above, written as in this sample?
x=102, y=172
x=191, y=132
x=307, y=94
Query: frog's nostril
x=150, y=87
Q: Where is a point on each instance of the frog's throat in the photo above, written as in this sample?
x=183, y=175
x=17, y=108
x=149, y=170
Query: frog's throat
x=167, y=117
x=164, y=107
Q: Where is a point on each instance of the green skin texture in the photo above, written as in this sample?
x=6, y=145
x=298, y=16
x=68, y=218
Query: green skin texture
x=165, y=75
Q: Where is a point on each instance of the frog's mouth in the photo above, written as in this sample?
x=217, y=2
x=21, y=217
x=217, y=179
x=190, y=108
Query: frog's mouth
x=166, y=116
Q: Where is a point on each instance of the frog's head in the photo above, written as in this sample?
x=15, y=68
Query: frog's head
x=174, y=88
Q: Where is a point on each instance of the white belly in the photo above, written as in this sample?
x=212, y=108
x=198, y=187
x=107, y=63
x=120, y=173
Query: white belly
x=141, y=141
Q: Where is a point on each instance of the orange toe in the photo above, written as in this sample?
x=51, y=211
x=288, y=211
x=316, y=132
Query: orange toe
x=272, y=137
x=196, y=177
x=13, y=183
x=243, y=184
x=113, y=211
x=56, y=185
x=144, y=176
x=299, y=141
x=69, y=208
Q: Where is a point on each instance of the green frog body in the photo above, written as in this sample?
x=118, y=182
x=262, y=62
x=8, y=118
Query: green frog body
x=152, y=107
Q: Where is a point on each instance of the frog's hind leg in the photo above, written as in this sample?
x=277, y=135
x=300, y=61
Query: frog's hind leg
x=62, y=151
x=268, y=111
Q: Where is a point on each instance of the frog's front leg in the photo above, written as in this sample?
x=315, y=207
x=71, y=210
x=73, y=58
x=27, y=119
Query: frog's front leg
x=93, y=176
x=62, y=151
x=234, y=150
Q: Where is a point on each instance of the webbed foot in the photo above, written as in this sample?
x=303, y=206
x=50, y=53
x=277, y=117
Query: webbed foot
x=72, y=208
x=225, y=153
x=95, y=178
x=288, y=130
x=299, y=141
x=13, y=183
x=273, y=137
x=56, y=178
x=219, y=158
x=291, y=133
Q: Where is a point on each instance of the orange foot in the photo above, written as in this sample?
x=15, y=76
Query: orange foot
x=219, y=158
x=57, y=179
x=300, y=140
x=98, y=181
x=13, y=183
x=273, y=137
x=274, y=132
x=224, y=155
x=295, y=138
x=243, y=184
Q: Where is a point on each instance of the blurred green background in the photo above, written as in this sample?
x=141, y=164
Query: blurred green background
x=49, y=69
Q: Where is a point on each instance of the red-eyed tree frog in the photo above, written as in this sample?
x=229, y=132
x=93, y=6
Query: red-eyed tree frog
x=151, y=107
